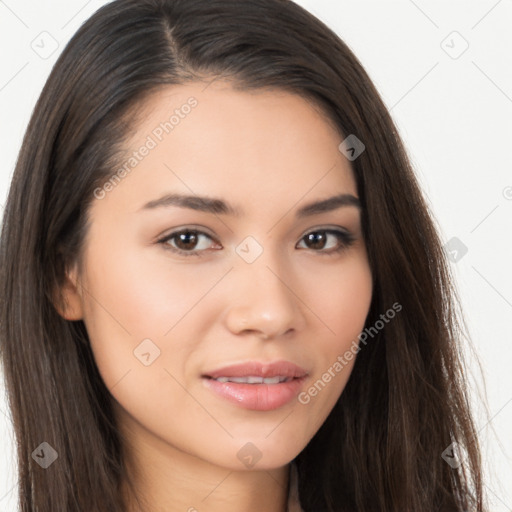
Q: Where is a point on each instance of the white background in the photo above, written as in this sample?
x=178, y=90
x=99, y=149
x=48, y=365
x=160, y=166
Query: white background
x=455, y=116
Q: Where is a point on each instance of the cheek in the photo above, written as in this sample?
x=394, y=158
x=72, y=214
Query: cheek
x=139, y=292
x=342, y=299
x=129, y=301
x=342, y=305
x=135, y=315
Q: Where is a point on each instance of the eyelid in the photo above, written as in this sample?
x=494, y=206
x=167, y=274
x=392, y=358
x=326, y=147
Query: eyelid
x=188, y=227
x=326, y=228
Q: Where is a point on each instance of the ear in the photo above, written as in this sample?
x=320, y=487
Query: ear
x=68, y=298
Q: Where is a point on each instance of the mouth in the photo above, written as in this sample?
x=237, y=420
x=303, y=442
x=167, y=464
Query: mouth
x=256, y=370
x=257, y=386
x=253, y=379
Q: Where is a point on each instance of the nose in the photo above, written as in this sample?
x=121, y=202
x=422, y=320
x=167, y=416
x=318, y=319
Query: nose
x=262, y=300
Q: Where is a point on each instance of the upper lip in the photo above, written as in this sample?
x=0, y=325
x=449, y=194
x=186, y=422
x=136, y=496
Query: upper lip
x=257, y=369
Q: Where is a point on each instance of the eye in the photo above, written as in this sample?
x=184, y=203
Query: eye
x=193, y=242
x=187, y=242
x=321, y=239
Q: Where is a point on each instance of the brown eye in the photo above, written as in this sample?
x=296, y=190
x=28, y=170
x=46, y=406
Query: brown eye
x=188, y=242
x=192, y=242
x=320, y=239
x=316, y=240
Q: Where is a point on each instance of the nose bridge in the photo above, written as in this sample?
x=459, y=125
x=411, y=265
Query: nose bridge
x=263, y=298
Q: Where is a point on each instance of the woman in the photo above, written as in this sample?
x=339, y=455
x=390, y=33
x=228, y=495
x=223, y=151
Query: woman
x=220, y=277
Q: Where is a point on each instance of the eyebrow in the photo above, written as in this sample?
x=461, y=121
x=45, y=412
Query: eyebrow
x=221, y=207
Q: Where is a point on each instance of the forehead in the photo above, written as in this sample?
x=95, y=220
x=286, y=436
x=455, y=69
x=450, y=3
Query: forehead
x=219, y=141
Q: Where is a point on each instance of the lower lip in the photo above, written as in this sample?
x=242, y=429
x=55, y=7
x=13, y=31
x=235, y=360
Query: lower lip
x=257, y=397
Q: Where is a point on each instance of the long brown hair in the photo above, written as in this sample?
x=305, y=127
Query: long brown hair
x=405, y=403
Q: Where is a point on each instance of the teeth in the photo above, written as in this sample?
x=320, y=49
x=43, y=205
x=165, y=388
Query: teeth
x=253, y=380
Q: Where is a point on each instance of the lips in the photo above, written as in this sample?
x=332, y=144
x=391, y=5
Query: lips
x=255, y=369
x=257, y=386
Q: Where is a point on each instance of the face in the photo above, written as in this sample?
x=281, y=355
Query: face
x=173, y=291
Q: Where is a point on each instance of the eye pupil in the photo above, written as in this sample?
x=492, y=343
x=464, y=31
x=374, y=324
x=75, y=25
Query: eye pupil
x=318, y=239
x=189, y=238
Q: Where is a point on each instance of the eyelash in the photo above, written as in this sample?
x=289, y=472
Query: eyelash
x=346, y=240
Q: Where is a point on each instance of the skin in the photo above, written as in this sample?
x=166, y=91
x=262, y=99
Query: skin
x=267, y=153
